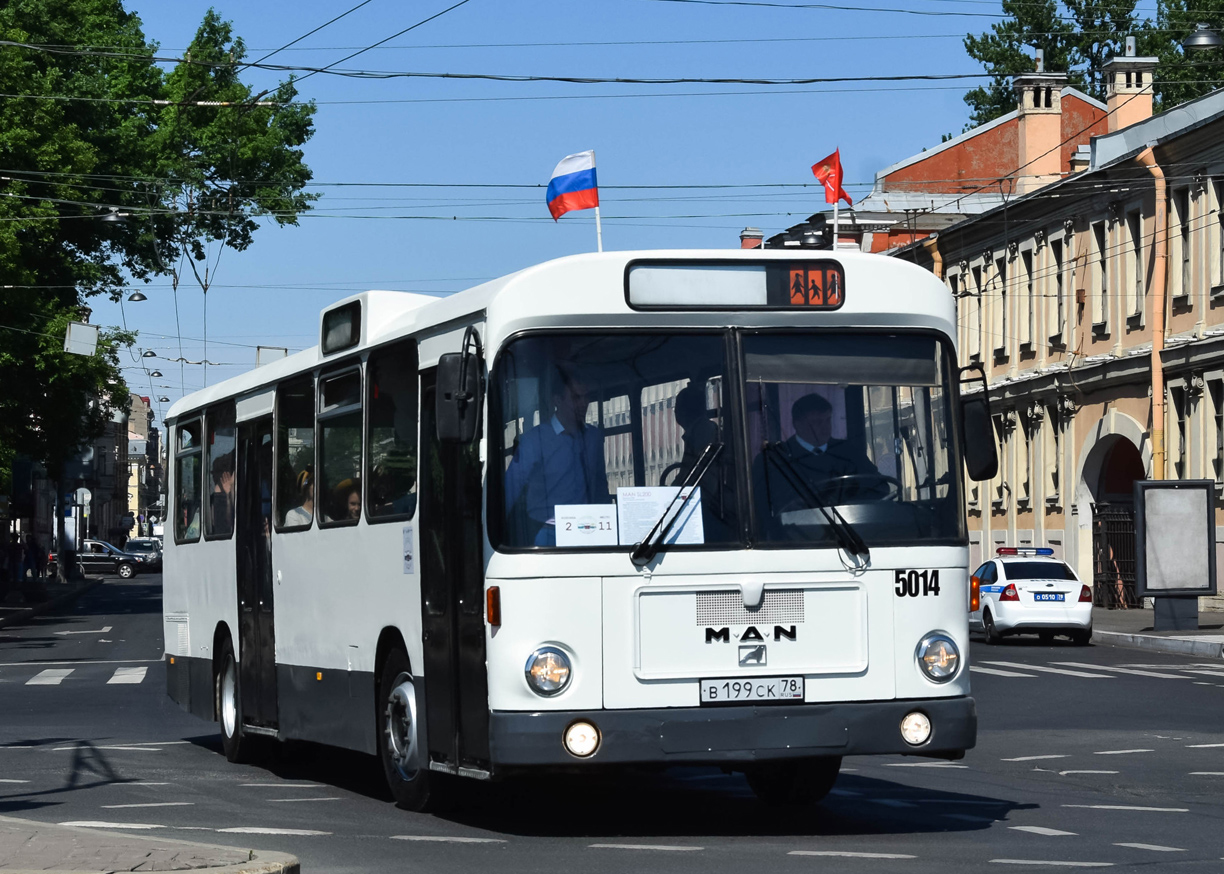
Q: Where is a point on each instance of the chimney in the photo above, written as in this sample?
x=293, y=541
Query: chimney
x=1128, y=86
x=1082, y=159
x=751, y=238
x=1039, y=95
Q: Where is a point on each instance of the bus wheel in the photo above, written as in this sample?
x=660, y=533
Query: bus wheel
x=399, y=745
x=229, y=705
x=801, y=782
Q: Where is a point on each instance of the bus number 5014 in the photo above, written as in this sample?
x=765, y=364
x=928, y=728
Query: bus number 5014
x=915, y=583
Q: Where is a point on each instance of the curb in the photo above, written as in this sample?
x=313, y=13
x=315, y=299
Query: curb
x=1201, y=648
x=38, y=609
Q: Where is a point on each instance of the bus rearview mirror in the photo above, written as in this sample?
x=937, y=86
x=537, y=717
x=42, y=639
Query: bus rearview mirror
x=460, y=397
x=977, y=436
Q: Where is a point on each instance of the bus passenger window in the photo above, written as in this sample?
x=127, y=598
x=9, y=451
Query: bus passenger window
x=339, y=488
x=295, y=488
x=391, y=444
x=222, y=432
x=187, y=483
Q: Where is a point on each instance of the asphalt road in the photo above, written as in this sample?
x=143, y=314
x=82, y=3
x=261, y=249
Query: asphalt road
x=1087, y=757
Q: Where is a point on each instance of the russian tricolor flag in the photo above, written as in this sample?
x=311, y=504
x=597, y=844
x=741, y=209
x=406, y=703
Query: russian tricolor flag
x=573, y=185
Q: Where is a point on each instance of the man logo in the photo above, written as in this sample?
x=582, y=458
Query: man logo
x=752, y=655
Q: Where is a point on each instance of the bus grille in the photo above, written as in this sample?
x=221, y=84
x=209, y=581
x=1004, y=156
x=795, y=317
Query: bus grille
x=727, y=608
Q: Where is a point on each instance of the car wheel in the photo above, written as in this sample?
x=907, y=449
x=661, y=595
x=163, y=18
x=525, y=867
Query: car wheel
x=988, y=628
x=400, y=739
x=1081, y=637
x=794, y=783
x=126, y=571
x=228, y=692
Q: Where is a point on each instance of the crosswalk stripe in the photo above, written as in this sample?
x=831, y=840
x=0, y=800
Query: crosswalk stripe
x=127, y=675
x=1046, y=670
x=1123, y=671
x=49, y=677
x=1205, y=673
x=998, y=673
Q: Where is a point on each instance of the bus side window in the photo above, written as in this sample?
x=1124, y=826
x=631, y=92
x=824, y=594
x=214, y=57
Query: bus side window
x=391, y=441
x=339, y=422
x=188, y=454
x=222, y=433
x=295, y=487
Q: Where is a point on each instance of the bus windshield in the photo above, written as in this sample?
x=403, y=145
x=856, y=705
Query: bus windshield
x=596, y=431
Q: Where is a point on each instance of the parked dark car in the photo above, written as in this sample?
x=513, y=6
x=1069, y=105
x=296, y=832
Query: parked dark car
x=99, y=557
x=149, y=548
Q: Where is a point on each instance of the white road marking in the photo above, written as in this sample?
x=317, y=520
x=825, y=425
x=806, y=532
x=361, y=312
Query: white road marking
x=665, y=847
x=998, y=673
x=93, y=823
x=1207, y=773
x=848, y=855
x=49, y=677
x=1202, y=746
x=130, y=749
x=1034, y=758
x=1130, y=807
x=1205, y=673
x=1045, y=670
x=1052, y=863
x=156, y=743
x=1158, y=676
x=290, y=800
x=923, y=765
x=1154, y=847
x=150, y=804
x=83, y=662
x=1120, y=752
x=443, y=839
x=1065, y=773
x=102, y=630
x=1042, y=830
x=14, y=781
x=288, y=785
x=259, y=830
x=127, y=676
x=153, y=784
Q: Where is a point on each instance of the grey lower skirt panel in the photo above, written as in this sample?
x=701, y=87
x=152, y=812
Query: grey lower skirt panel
x=729, y=735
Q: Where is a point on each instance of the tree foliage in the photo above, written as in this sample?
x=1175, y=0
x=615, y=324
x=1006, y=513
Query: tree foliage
x=1077, y=37
x=1182, y=76
x=189, y=156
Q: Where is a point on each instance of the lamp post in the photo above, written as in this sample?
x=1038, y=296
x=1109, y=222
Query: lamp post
x=1202, y=39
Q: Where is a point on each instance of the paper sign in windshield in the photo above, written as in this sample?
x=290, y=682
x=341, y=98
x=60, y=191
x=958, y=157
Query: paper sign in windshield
x=639, y=509
x=585, y=524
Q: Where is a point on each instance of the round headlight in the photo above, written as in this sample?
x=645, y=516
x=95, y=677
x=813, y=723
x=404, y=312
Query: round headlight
x=916, y=728
x=939, y=657
x=548, y=671
x=581, y=739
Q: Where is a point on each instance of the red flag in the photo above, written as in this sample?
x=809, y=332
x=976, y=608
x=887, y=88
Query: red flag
x=829, y=173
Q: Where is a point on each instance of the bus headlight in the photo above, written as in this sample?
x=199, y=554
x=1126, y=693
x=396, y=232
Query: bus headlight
x=548, y=671
x=939, y=657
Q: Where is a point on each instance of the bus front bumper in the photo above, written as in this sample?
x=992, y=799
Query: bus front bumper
x=737, y=734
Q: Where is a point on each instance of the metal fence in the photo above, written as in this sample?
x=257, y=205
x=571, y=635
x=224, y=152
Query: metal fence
x=1113, y=556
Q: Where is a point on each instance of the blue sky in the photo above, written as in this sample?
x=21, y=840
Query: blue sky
x=456, y=132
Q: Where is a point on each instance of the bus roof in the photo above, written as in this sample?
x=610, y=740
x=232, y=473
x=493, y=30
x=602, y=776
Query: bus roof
x=589, y=290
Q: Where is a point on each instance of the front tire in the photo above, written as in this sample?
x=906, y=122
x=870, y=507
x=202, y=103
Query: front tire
x=400, y=747
x=228, y=691
x=126, y=571
x=988, y=628
x=794, y=783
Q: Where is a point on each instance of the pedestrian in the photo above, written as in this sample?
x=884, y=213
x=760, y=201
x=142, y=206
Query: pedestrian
x=31, y=558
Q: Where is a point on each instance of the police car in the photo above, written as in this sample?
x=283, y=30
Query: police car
x=1028, y=591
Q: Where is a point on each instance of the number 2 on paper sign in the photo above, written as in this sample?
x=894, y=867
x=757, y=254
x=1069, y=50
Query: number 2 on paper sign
x=914, y=583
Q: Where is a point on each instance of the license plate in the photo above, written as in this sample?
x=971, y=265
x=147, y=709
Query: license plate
x=750, y=690
x=1049, y=596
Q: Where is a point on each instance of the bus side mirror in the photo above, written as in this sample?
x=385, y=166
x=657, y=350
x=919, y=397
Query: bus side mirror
x=460, y=393
x=977, y=430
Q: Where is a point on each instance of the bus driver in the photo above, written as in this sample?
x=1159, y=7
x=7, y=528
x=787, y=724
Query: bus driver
x=560, y=461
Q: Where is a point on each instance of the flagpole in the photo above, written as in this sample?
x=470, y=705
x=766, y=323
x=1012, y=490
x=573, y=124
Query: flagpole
x=598, y=231
x=836, y=204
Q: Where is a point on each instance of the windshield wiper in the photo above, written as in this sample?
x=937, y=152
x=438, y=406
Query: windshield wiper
x=645, y=551
x=847, y=538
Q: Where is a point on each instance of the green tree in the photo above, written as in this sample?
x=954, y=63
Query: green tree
x=191, y=159
x=1077, y=37
x=1182, y=76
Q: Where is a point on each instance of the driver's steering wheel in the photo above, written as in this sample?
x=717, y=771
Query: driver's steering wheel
x=839, y=483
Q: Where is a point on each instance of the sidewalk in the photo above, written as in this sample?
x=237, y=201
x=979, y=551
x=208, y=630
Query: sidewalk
x=27, y=846
x=14, y=610
x=1133, y=628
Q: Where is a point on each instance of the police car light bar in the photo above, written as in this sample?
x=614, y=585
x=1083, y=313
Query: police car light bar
x=1024, y=550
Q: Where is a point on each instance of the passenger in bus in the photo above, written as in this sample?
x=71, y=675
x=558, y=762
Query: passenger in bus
x=222, y=497
x=304, y=513
x=345, y=501
x=818, y=460
x=699, y=429
x=559, y=461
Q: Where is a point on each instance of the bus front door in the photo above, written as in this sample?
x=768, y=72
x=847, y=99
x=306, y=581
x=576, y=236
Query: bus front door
x=452, y=596
x=257, y=655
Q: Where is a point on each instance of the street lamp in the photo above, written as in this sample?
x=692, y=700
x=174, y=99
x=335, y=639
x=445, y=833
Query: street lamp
x=156, y=374
x=163, y=400
x=148, y=353
x=136, y=297
x=113, y=215
x=1202, y=39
